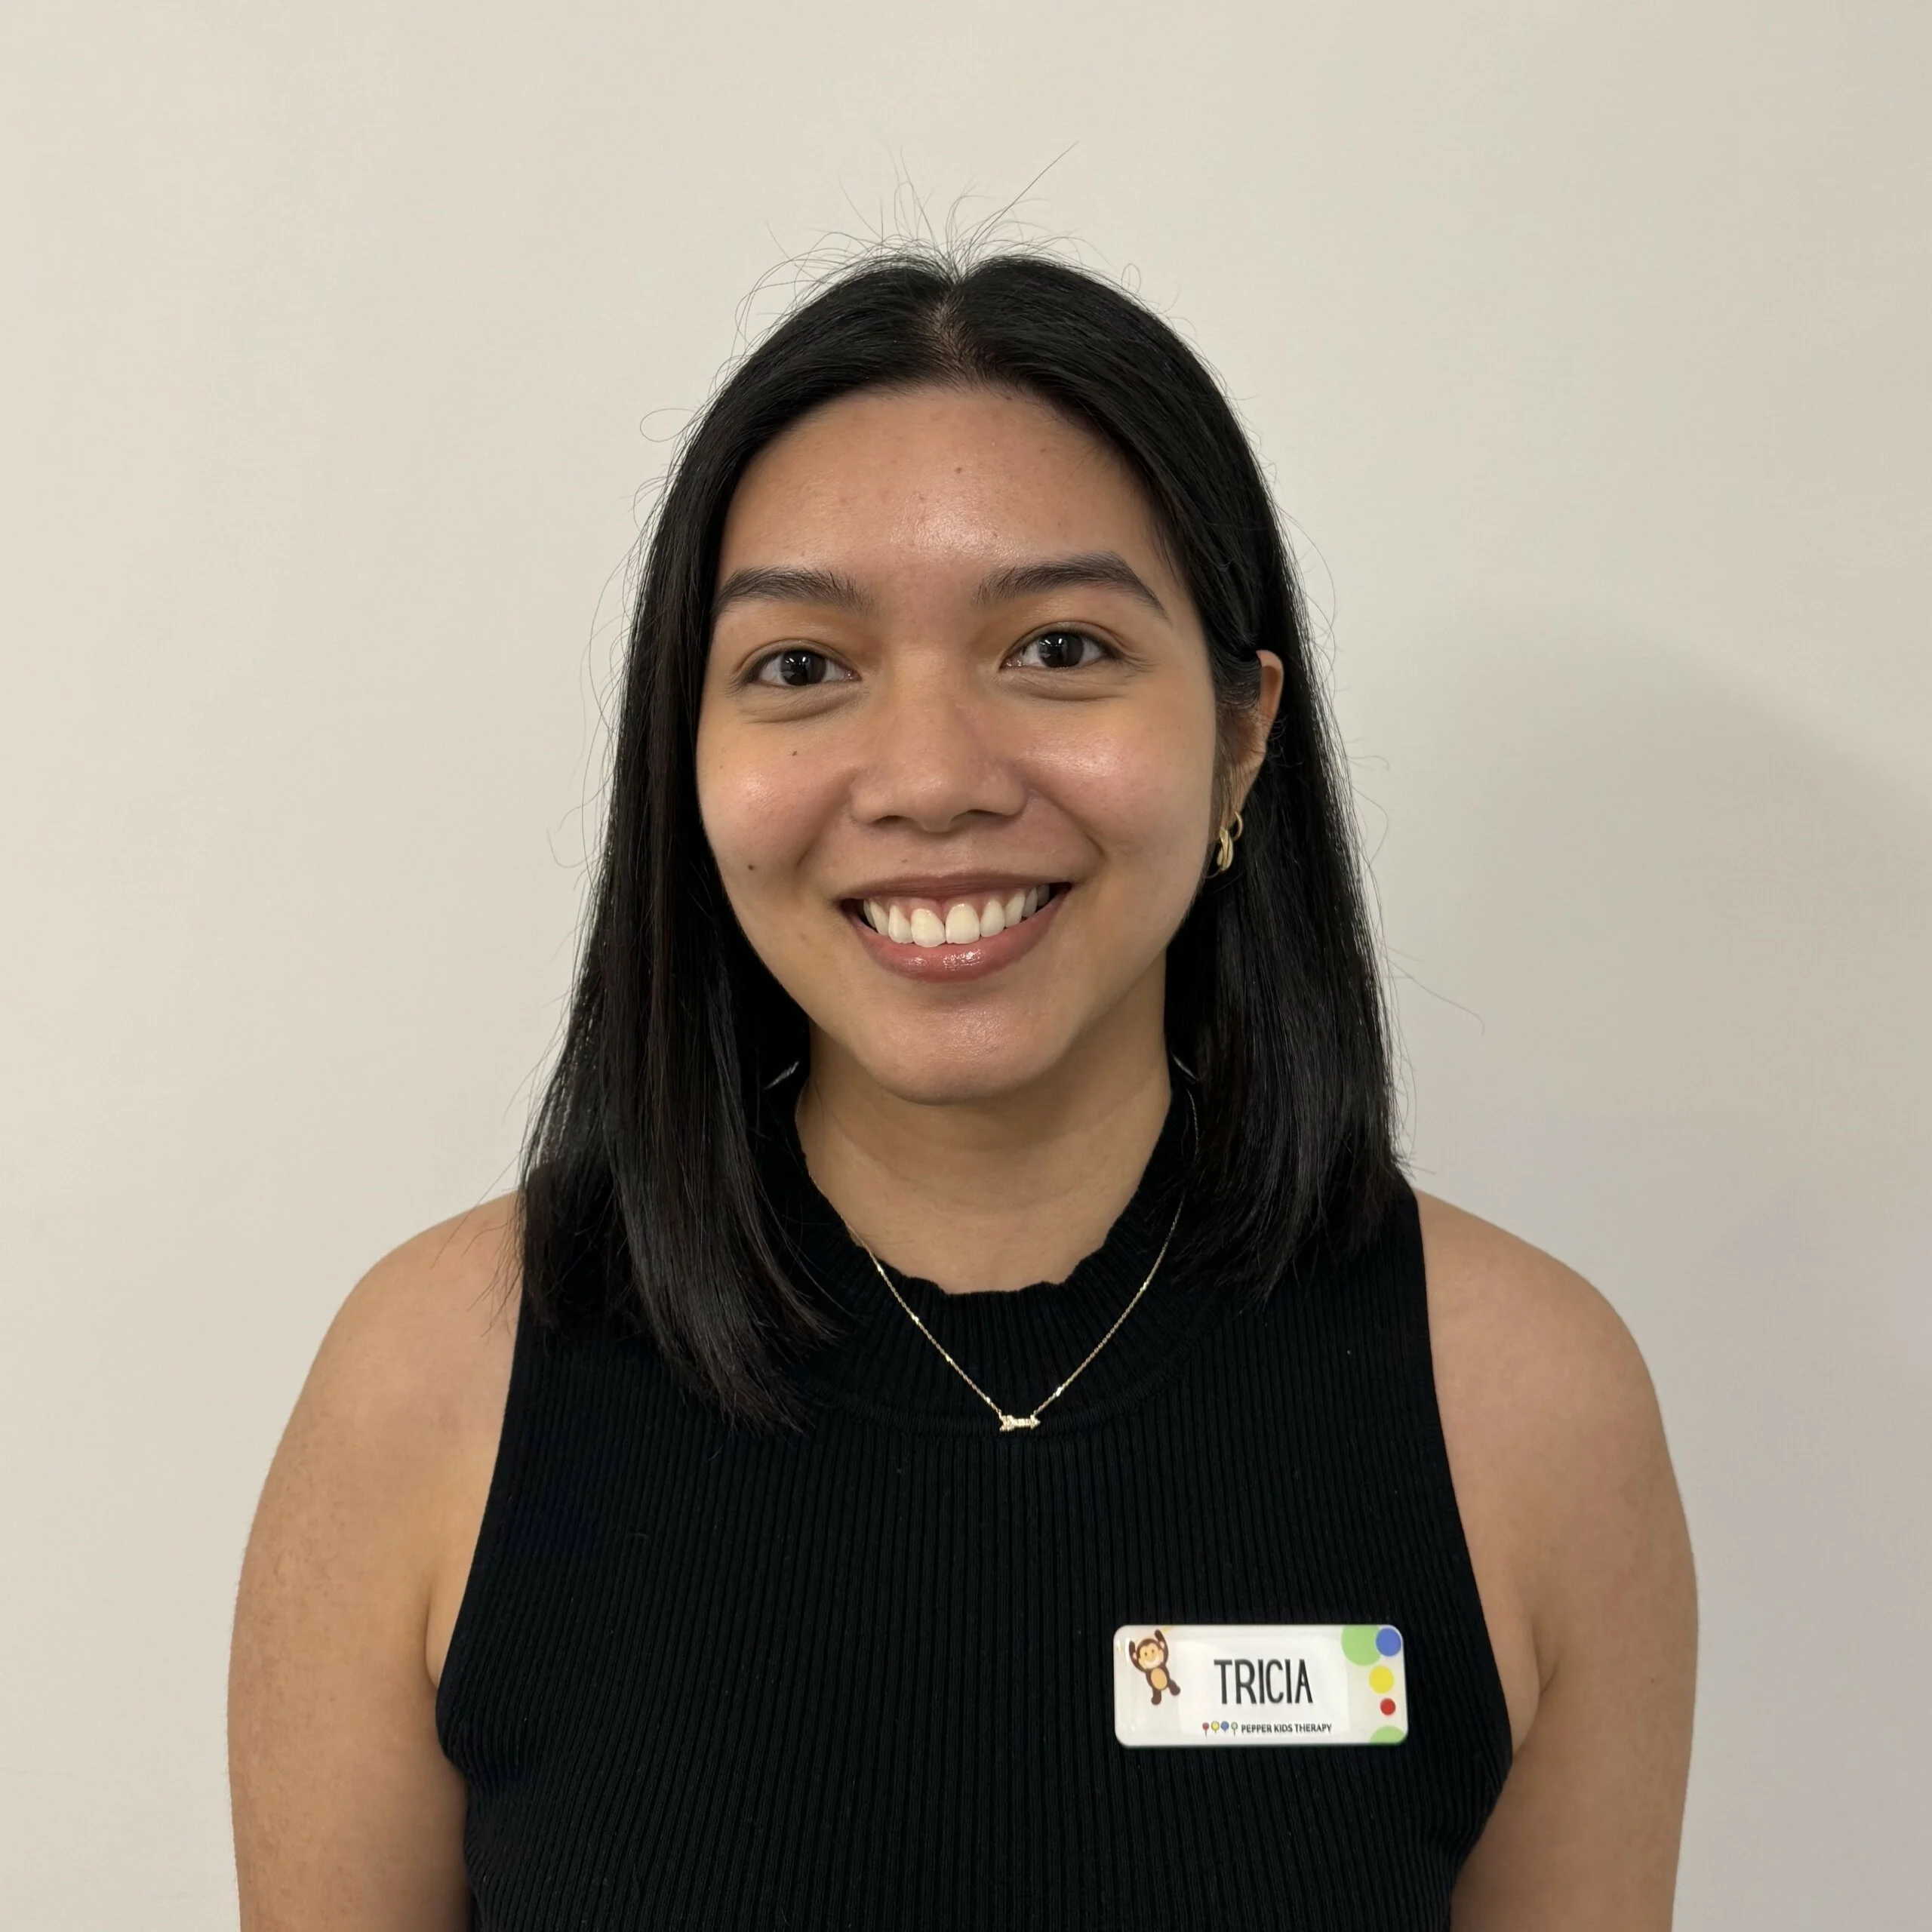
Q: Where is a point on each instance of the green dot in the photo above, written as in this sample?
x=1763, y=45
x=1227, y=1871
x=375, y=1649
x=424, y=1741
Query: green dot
x=1389, y=1733
x=1358, y=1643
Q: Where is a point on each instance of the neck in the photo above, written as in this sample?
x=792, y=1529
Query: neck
x=991, y=1194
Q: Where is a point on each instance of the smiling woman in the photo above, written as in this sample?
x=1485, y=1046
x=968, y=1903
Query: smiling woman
x=997, y=531
x=963, y=1322
x=995, y=710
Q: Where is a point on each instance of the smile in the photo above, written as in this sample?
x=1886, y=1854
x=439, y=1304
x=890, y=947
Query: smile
x=927, y=923
x=951, y=937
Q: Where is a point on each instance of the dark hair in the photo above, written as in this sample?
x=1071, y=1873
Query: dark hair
x=641, y=1204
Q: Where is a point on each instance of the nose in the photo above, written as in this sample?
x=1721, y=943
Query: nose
x=934, y=754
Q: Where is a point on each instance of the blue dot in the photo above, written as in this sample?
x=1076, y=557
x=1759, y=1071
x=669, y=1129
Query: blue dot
x=1388, y=1642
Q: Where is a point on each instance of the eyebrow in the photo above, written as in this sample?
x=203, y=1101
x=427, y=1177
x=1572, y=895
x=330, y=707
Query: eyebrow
x=797, y=584
x=1104, y=569
x=782, y=583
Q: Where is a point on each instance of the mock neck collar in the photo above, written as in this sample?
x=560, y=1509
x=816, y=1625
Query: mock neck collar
x=1018, y=1346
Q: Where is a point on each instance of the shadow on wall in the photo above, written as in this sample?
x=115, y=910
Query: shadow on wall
x=1662, y=960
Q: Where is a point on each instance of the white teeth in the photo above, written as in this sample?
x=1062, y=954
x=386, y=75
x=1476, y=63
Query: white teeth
x=960, y=923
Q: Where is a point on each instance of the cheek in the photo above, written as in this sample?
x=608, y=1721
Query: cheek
x=1144, y=789
x=762, y=807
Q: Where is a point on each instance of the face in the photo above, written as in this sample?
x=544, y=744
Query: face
x=957, y=753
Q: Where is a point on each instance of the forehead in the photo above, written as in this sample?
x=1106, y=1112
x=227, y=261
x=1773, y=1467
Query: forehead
x=885, y=480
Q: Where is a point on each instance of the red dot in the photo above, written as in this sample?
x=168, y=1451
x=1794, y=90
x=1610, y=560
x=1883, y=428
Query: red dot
x=1387, y=1707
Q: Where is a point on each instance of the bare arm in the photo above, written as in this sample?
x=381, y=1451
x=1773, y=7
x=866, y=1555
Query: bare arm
x=1578, y=1541
x=346, y=1812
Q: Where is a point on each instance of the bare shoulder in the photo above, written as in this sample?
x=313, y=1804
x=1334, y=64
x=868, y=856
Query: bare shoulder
x=415, y=1370
x=346, y=1812
x=379, y=1480
x=422, y=1346
x=1554, y=1440
x=1527, y=1351
x=1571, y=1510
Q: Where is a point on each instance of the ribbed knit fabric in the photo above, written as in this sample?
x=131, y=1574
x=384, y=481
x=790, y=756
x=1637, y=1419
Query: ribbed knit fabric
x=859, y=1675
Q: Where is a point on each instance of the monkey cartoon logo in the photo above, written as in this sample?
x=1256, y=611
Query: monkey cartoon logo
x=1149, y=1656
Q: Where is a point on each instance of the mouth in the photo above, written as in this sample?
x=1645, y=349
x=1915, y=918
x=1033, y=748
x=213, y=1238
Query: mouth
x=958, y=936
x=963, y=919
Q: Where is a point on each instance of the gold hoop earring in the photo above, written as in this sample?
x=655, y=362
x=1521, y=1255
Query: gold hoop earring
x=1224, y=850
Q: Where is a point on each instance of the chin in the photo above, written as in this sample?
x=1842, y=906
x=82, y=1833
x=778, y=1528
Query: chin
x=933, y=1070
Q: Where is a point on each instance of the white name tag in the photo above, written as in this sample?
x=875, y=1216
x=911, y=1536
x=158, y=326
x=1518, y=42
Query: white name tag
x=1260, y=1684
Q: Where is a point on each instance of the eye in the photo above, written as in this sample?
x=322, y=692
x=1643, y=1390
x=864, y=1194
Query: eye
x=795, y=668
x=1060, y=650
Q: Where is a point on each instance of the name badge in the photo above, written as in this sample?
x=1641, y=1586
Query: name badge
x=1260, y=1684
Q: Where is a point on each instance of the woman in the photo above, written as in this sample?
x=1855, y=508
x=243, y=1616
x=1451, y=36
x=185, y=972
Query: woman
x=983, y=1433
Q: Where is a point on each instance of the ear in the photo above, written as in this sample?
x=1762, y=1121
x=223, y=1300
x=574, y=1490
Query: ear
x=1248, y=740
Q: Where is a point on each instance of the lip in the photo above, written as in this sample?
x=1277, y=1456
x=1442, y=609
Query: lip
x=942, y=886
x=949, y=965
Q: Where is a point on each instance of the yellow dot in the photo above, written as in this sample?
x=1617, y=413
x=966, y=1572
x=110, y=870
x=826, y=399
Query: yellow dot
x=1381, y=1678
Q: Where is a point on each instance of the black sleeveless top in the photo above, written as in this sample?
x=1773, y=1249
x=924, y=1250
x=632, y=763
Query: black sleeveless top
x=860, y=1675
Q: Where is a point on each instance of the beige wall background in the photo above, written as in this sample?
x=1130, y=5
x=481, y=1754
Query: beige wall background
x=1587, y=346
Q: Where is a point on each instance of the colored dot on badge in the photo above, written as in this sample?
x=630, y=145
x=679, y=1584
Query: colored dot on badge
x=1358, y=1642
x=1382, y=1679
x=1387, y=1707
x=1388, y=1641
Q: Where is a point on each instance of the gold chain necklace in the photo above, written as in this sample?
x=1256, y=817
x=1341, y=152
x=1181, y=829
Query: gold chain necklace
x=1007, y=1423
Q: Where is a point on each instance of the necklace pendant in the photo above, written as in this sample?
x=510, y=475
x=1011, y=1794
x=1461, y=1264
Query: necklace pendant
x=1008, y=1423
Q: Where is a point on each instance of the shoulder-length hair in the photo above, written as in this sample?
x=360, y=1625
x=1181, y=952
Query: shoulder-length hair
x=641, y=1204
